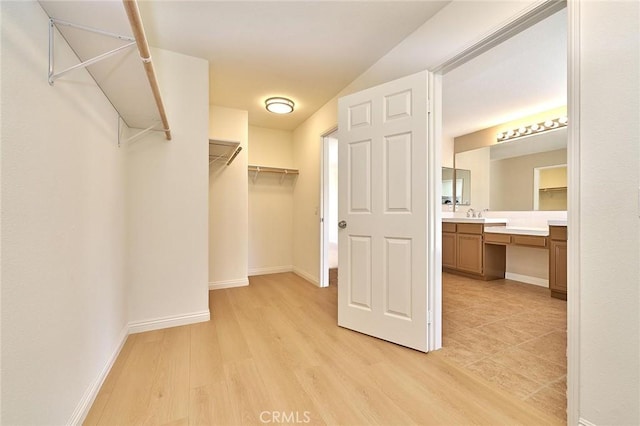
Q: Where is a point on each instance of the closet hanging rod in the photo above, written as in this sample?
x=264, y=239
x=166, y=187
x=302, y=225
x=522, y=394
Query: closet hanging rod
x=264, y=169
x=133, y=13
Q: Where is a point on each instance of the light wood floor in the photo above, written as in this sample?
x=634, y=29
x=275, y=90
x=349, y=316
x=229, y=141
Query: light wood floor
x=273, y=349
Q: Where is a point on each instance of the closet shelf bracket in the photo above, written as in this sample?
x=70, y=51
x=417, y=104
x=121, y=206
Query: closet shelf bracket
x=53, y=76
x=224, y=150
x=132, y=139
x=88, y=48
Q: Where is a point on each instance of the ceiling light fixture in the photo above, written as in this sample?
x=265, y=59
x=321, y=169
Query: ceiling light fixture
x=533, y=128
x=279, y=105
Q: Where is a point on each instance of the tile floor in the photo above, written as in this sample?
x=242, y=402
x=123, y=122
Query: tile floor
x=511, y=334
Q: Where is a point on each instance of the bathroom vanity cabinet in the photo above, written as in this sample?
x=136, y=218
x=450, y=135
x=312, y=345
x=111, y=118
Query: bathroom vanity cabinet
x=464, y=251
x=558, y=261
x=478, y=249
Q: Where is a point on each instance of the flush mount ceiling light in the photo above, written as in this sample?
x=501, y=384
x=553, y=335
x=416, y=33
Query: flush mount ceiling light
x=532, y=129
x=279, y=105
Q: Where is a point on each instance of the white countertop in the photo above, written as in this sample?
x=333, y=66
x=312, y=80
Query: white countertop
x=520, y=230
x=557, y=222
x=474, y=220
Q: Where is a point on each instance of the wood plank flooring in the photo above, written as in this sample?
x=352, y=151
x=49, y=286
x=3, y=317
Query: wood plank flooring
x=273, y=353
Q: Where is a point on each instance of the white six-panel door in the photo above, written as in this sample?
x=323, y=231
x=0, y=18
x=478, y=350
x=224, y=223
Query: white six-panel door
x=382, y=169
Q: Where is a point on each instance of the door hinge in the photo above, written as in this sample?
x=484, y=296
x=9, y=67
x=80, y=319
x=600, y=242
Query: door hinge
x=429, y=317
x=428, y=106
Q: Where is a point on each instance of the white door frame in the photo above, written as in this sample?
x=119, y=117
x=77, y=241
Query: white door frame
x=324, y=206
x=525, y=19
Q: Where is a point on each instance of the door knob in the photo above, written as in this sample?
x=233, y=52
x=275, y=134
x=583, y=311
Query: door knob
x=342, y=224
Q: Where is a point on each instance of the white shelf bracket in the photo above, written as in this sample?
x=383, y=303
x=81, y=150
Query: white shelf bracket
x=132, y=139
x=255, y=175
x=286, y=172
x=142, y=133
x=53, y=76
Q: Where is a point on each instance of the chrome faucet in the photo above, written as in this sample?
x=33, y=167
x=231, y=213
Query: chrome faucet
x=470, y=213
x=482, y=211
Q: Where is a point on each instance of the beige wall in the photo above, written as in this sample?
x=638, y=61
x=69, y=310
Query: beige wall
x=608, y=226
x=228, y=202
x=555, y=177
x=270, y=202
x=512, y=179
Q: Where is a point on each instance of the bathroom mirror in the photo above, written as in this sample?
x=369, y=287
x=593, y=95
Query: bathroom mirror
x=462, y=188
x=447, y=185
x=527, y=173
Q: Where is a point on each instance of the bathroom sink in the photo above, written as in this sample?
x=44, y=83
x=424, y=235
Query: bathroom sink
x=474, y=220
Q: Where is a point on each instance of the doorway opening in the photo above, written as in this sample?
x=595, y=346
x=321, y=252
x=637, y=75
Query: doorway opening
x=484, y=91
x=550, y=188
x=329, y=206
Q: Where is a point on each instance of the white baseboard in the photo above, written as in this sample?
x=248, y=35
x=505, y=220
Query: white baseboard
x=218, y=285
x=527, y=279
x=270, y=270
x=306, y=276
x=82, y=409
x=166, y=322
x=583, y=422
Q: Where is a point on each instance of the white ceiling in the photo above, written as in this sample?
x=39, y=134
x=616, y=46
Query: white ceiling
x=522, y=76
x=305, y=50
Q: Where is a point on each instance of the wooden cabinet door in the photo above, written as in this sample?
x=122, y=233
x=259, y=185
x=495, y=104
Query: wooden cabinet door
x=469, y=253
x=449, y=250
x=558, y=266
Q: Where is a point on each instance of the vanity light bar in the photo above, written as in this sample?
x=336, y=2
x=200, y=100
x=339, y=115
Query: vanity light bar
x=532, y=129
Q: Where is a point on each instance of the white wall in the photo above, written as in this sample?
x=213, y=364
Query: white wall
x=270, y=202
x=64, y=300
x=307, y=152
x=97, y=240
x=228, y=202
x=167, y=202
x=609, y=229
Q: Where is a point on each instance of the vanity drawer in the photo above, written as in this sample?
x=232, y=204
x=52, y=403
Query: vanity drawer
x=469, y=228
x=448, y=227
x=497, y=238
x=558, y=233
x=529, y=240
